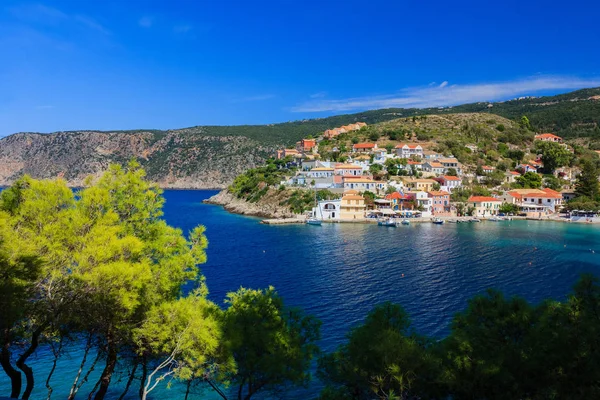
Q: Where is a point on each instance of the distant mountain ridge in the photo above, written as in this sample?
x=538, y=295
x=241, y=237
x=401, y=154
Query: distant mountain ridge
x=211, y=156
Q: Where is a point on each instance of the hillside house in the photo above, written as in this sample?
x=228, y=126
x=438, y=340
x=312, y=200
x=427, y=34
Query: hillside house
x=305, y=145
x=424, y=184
x=549, y=137
x=360, y=184
x=433, y=167
x=449, y=183
x=348, y=170
x=409, y=150
x=364, y=147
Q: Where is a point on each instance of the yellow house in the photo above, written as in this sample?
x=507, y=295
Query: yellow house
x=425, y=185
x=353, y=206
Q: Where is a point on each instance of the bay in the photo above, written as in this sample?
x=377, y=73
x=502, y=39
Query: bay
x=338, y=272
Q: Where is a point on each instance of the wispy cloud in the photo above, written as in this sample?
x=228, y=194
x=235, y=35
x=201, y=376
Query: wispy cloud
x=39, y=14
x=449, y=95
x=146, y=21
x=260, y=97
x=318, y=95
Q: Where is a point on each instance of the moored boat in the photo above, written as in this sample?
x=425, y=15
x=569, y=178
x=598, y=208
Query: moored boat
x=405, y=222
x=437, y=221
x=314, y=221
x=474, y=220
x=386, y=222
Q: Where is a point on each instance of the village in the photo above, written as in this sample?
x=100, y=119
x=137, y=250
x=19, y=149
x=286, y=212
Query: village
x=410, y=182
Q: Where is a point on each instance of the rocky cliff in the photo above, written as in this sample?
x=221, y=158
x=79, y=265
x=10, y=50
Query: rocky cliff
x=174, y=159
x=269, y=206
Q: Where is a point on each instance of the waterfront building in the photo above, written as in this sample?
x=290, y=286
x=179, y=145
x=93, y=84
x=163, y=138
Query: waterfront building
x=484, y=206
x=352, y=206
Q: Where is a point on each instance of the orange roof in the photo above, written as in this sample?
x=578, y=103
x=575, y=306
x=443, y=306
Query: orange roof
x=450, y=178
x=436, y=164
x=352, y=197
x=411, y=162
x=397, y=195
x=347, y=166
x=487, y=167
x=514, y=172
x=364, y=145
x=438, y=193
x=480, y=199
x=547, y=136
x=545, y=193
x=410, y=146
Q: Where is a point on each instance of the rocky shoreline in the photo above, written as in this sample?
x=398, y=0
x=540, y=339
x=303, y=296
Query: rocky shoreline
x=268, y=207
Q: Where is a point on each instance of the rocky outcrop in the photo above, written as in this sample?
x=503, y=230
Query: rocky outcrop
x=267, y=207
x=183, y=159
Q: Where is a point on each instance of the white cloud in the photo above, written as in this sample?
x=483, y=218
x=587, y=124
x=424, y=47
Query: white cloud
x=146, y=22
x=444, y=95
x=38, y=14
x=318, y=95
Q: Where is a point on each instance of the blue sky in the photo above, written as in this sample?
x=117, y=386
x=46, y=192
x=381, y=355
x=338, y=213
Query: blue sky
x=105, y=65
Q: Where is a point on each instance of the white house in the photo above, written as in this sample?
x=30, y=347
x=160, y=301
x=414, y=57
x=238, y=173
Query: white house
x=348, y=169
x=328, y=210
x=423, y=200
x=360, y=184
x=448, y=183
x=535, y=200
x=320, y=172
x=433, y=167
x=409, y=150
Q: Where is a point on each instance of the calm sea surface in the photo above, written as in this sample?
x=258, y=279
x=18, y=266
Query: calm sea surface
x=338, y=272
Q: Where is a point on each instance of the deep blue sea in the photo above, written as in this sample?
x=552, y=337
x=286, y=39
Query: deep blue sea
x=338, y=272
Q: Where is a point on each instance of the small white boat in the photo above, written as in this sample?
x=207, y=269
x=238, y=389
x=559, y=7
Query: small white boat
x=314, y=221
x=452, y=221
x=495, y=219
x=386, y=222
x=474, y=220
x=405, y=222
x=437, y=221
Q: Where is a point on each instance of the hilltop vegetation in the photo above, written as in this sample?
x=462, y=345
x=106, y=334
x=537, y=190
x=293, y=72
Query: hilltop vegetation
x=212, y=156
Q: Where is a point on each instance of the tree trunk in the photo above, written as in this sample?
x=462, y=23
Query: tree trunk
x=187, y=389
x=27, y=370
x=56, y=353
x=130, y=380
x=13, y=374
x=111, y=362
x=144, y=375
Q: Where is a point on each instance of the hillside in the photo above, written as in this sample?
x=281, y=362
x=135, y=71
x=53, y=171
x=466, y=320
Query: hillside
x=212, y=156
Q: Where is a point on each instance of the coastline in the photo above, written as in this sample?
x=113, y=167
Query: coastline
x=262, y=209
x=274, y=214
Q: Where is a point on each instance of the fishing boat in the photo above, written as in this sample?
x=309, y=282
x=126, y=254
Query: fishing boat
x=314, y=221
x=405, y=222
x=386, y=222
x=437, y=221
x=495, y=219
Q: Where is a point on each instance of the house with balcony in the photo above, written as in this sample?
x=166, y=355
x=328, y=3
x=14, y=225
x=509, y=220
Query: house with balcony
x=433, y=168
x=540, y=201
x=484, y=206
x=409, y=150
x=449, y=183
x=440, y=202
x=359, y=183
x=352, y=206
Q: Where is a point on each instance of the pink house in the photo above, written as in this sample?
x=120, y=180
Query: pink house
x=440, y=202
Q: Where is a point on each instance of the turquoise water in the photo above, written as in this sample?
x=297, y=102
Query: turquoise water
x=338, y=272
